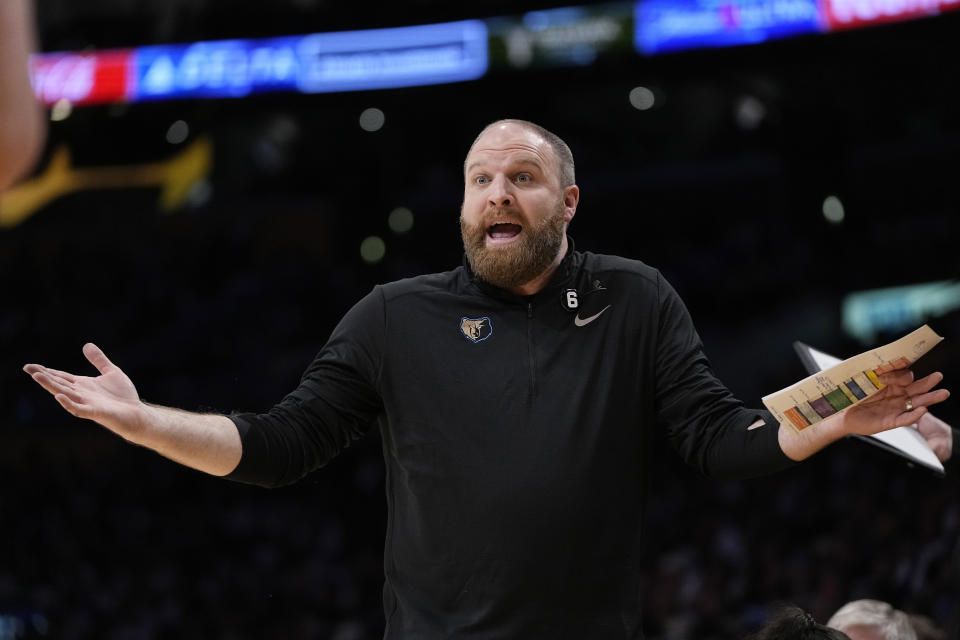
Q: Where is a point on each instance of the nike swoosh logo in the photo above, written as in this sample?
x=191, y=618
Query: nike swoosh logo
x=582, y=322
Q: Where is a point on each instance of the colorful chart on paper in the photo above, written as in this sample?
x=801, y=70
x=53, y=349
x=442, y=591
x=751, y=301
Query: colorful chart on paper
x=827, y=392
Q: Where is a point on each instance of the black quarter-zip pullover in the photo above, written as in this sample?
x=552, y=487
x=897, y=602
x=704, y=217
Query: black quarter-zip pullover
x=514, y=436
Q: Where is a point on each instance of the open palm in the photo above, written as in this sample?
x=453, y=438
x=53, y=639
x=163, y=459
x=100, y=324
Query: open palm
x=110, y=399
x=902, y=401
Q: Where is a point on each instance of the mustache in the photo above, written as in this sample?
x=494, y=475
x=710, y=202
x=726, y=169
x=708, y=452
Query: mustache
x=502, y=214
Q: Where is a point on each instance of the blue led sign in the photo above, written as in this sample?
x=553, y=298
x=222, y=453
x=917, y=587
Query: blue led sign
x=323, y=62
x=674, y=25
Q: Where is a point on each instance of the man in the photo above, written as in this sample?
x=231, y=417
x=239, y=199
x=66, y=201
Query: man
x=514, y=396
x=872, y=620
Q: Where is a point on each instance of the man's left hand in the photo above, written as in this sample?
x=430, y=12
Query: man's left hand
x=901, y=402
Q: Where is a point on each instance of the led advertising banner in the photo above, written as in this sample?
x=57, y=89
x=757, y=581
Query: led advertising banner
x=447, y=52
x=82, y=78
x=324, y=62
x=569, y=36
x=401, y=57
x=221, y=69
x=675, y=25
x=847, y=14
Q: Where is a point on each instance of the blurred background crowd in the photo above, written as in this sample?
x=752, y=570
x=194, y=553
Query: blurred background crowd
x=772, y=183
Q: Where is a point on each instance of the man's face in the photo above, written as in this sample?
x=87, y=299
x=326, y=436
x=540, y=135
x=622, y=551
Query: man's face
x=515, y=213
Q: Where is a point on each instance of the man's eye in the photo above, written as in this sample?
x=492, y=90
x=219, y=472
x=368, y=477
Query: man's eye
x=523, y=178
x=480, y=179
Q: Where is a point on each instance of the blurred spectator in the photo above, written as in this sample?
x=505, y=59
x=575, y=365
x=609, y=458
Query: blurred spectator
x=21, y=120
x=793, y=623
x=872, y=620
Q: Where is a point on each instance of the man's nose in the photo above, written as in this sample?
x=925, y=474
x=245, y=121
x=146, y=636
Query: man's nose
x=500, y=194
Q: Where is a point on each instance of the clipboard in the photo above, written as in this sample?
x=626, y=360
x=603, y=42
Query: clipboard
x=905, y=442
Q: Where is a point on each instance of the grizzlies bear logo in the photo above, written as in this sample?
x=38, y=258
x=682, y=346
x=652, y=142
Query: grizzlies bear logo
x=476, y=329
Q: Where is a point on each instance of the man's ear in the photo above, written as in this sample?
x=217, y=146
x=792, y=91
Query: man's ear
x=571, y=198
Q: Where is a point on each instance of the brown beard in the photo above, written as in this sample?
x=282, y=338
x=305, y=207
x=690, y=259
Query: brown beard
x=518, y=264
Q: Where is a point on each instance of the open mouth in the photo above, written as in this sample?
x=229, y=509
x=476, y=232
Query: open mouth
x=503, y=231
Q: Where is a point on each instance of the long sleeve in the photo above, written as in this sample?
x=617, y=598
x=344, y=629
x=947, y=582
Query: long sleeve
x=335, y=403
x=706, y=424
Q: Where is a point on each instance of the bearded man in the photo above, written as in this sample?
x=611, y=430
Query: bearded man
x=515, y=397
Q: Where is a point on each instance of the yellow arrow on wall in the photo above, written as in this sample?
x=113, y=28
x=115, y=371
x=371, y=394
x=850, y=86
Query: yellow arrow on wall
x=175, y=177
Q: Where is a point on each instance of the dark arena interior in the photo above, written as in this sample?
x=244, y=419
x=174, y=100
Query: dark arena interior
x=801, y=188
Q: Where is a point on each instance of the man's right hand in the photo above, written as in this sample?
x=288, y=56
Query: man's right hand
x=109, y=399
x=205, y=441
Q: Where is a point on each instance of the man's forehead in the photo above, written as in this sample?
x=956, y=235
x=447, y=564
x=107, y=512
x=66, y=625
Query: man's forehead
x=510, y=140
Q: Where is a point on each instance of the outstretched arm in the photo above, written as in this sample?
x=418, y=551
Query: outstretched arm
x=902, y=401
x=208, y=442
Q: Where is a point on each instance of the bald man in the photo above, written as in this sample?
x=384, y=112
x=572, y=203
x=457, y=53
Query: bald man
x=515, y=396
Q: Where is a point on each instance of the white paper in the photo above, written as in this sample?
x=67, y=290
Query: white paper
x=905, y=440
